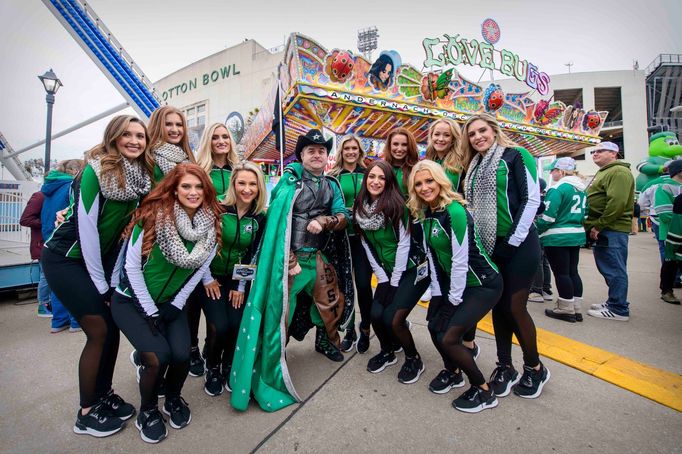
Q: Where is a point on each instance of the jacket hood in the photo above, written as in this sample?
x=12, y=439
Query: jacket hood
x=55, y=180
x=574, y=181
x=616, y=163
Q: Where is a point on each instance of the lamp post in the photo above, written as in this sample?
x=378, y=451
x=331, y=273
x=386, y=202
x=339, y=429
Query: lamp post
x=51, y=83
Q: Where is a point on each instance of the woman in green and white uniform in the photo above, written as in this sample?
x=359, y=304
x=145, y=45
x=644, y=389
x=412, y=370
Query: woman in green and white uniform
x=393, y=247
x=443, y=148
x=171, y=241
x=168, y=140
x=217, y=155
x=350, y=169
x=562, y=234
x=400, y=151
x=243, y=222
x=465, y=283
x=79, y=260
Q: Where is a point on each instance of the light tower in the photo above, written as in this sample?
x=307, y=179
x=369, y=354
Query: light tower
x=367, y=41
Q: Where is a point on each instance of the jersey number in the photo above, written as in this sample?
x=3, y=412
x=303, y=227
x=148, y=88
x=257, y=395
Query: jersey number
x=577, y=208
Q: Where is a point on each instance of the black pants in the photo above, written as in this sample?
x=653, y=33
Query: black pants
x=194, y=313
x=70, y=281
x=542, y=281
x=389, y=321
x=362, y=271
x=510, y=315
x=668, y=273
x=167, y=349
x=564, y=263
x=476, y=302
x=222, y=323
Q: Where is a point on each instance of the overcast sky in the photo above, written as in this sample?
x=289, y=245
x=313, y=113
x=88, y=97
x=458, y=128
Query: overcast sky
x=163, y=36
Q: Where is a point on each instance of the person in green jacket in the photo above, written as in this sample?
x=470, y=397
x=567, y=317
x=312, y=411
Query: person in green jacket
x=217, y=155
x=350, y=170
x=673, y=241
x=443, y=148
x=233, y=268
x=171, y=241
x=562, y=234
x=664, y=198
x=79, y=261
x=400, y=151
x=611, y=201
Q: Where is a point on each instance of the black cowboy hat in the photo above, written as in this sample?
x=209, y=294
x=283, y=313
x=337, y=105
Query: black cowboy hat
x=312, y=137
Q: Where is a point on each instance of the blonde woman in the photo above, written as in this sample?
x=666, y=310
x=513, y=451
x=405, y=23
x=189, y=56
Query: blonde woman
x=350, y=170
x=243, y=222
x=217, y=155
x=465, y=283
x=501, y=187
x=444, y=139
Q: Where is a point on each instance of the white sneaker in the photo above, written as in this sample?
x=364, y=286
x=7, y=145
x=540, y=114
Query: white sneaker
x=547, y=296
x=535, y=298
x=608, y=315
x=427, y=295
x=599, y=306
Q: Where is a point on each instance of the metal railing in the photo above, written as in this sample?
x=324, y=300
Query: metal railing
x=663, y=59
x=12, y=203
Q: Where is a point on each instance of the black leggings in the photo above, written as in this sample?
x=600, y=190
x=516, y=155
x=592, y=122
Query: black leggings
x=510, y=315
x=564, y=263
x=362, y=272
x=476, y=302
x=668, y=274
x=222, y=323
x=71, y=283
x=166, y=349
x=194, y=313
x=389, y=322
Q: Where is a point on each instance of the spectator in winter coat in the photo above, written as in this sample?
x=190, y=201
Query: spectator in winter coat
x=31, y=218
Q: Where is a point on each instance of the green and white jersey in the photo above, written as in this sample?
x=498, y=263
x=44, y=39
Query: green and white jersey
x=153, y=280
x=351, y=183
x=561, y=224
x=92, y=228
x=664, y=197
x=401, y=183
x=220, y=176
x=454, y=177
x=456, y=256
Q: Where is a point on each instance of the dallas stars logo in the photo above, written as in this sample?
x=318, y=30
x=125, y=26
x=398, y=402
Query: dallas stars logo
x=435, y=231
x=248, y=228
x=317, y=137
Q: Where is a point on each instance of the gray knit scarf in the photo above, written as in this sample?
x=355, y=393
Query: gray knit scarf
x=167, y=156
x=171, y=231
x=482, y=196
x=137, y=182
x=372, y=220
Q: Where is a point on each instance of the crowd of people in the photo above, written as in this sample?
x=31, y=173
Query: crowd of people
x=154, y=234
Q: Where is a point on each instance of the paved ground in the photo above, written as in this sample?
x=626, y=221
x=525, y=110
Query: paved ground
x=349, y=410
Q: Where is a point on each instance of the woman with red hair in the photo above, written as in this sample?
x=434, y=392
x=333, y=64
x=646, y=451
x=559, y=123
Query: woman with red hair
x=400, y=151
x=172, y=239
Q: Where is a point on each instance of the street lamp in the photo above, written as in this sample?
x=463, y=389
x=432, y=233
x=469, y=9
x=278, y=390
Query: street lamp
x=51, y=83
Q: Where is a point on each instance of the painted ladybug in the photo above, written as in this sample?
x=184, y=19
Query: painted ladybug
x=493, y=98
x=339, y=66
x=591, y=120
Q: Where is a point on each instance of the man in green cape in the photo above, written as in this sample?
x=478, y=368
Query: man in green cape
x=304, y=252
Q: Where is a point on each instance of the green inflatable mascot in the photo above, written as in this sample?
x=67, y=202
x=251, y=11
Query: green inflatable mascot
x=663, y=147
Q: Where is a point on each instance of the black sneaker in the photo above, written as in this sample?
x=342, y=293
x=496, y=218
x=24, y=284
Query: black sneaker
x=475, y=352
x=532, y=382
x=349, y=340
x=226, y=370
x=411, y=370
x=363, y=342
x=502, y=379
x=214, y=382
x=99, y=422
x=196, y=363
x=178, y=410
x=119, y=407
x=151, y=425
x=445, y=381
x=135, y=358
x=322, y=345
x=474, y=400
x=381, y=361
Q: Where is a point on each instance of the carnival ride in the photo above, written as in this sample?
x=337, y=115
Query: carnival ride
x=345, y=93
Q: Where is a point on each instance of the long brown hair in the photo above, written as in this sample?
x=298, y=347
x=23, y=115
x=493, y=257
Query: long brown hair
x=109, y=156
x=162, y=198
x=412, y=153
x=467, y=151
x=390, y=202
x=157, y=130
x=453, y=160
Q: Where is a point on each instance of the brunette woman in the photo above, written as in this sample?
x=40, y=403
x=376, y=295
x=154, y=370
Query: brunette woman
x=400, y=151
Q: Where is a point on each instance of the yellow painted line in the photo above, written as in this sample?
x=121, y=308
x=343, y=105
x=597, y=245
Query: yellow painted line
x=659, y=385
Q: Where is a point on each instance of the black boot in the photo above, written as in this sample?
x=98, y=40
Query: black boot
x=324, y=346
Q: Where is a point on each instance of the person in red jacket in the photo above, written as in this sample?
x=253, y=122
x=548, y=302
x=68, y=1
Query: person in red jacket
x=31, y=218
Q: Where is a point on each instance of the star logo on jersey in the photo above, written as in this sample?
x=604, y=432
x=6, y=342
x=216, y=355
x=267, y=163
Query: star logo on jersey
x=435, y=231
x=248, y=228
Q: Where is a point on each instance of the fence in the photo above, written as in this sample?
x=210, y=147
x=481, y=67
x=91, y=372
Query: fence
x=13, y=198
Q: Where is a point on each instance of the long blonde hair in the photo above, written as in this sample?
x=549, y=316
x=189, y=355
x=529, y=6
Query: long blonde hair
x=157, y=131
x=446, y=196
x=205, y=150
x=453, y=161
x=231, y=196
x=338, y=165
x=109, y=156
x=467, y=151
